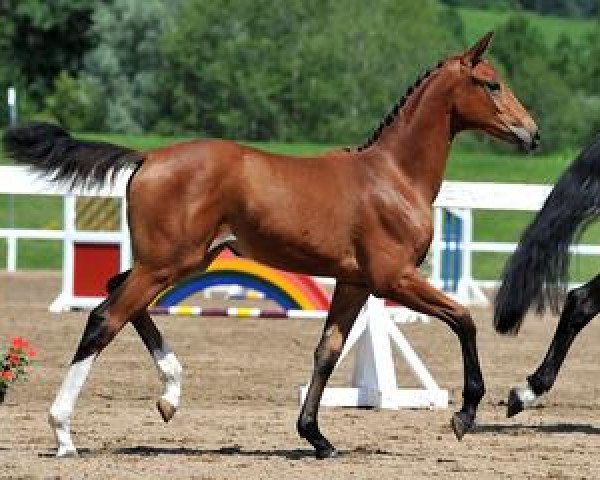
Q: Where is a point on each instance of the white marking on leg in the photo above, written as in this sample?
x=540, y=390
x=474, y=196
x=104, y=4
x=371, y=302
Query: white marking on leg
x=64, y=403
x=527, y=396
x=170, y=371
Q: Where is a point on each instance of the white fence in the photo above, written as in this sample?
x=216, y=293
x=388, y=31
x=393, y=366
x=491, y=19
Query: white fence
x=465, y=197
x=19, y=181
x=460, y=197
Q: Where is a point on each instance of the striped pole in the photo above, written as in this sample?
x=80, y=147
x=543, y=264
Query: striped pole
x=238, y=312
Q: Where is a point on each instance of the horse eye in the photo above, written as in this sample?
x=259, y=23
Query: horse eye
x=493, y=87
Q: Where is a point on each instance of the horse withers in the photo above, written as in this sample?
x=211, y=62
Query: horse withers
x=361, y=215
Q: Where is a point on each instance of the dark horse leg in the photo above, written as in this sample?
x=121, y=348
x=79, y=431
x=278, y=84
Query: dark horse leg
x=582, y=305
x=346, y=303
x=414, y=292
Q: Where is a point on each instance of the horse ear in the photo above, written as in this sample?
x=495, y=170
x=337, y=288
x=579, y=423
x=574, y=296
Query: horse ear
x=473, y=55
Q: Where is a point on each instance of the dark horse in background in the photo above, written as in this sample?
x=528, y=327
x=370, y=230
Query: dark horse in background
x=361, y=215
x=536, y=274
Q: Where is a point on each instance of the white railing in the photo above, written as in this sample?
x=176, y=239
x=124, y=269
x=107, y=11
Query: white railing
x=19, y=181
x=464, y=197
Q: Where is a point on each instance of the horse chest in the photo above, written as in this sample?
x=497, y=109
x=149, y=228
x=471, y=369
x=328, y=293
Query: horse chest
x=407, y=224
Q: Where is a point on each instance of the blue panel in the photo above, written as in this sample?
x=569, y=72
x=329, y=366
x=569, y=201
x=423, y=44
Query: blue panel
x=452, y=236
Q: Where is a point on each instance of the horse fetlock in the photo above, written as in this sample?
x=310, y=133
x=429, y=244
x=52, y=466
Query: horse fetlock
x=521, y=398
x=60, y=424
x=171, y=373
x=461, y=423
x=309, y=430
x=514, y=405
x=474, y=392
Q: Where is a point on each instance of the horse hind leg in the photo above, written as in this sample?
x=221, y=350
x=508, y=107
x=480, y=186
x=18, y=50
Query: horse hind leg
x=165, y=360
x=124, y=304
x=169, y=368
x=581, y=306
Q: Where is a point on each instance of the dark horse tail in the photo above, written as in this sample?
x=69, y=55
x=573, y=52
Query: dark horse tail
x=537, y=271
x=51, y=151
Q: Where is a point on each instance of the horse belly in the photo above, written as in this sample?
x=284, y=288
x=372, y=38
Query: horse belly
x=298, y=255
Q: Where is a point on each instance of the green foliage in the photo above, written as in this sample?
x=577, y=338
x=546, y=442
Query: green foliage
x=300, y=69
x=311, y=70
x=76, y=103
x=520, y=48
x=38, y=39
x=484, y=4
x=477, y=22
x=563, y=7
x=572, y=8
x=127, y=61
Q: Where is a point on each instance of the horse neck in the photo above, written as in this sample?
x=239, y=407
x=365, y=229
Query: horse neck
x=419, y=138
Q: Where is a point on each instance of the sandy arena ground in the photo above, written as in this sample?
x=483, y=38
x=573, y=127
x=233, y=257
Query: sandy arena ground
x=239, y=407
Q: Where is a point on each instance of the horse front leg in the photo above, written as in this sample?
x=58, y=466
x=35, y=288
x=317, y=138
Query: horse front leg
x=345, y=305
x=581, y=306
x=411, y=290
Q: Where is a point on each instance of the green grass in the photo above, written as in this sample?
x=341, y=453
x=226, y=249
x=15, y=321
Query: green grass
x=46, y=212
x=478, y=22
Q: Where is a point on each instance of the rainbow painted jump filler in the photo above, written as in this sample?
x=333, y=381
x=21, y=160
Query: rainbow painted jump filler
x=361, y=215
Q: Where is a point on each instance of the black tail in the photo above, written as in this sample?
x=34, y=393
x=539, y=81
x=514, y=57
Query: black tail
x=537, y=271
x=51, y=151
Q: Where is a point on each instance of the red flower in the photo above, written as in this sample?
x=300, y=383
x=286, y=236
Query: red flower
x=31, y=353
x=7, y=375
x=19, y=342
x=14, y=358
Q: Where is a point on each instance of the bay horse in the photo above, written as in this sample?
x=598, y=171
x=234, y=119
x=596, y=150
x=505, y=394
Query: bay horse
x=361, y=215
x=536, y=274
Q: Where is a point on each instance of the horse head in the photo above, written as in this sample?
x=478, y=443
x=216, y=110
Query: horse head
x=482, y=101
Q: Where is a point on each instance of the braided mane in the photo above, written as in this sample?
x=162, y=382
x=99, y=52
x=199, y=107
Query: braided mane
x=390, y=117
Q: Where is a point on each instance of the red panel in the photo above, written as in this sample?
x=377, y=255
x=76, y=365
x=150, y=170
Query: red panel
x=94, y=264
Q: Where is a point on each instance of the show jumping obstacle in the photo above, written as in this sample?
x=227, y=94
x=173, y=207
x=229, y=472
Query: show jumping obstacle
x=361, y=215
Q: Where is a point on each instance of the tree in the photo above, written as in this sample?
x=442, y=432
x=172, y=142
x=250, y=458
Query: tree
x=555, y=106
x=39, y=39
x=128, y=63
x=76, y=103
x=320, y=70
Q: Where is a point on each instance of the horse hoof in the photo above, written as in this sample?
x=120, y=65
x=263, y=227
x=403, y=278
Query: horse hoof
x=166, y=409
x=66, y=453
x=515, y=404
x=460, y=425
x=326, y=453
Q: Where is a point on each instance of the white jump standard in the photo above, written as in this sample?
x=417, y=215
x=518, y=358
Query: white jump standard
x=374, y=378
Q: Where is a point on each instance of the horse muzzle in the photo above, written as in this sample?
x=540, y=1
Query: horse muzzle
x=528, y=140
